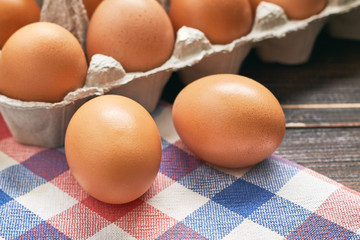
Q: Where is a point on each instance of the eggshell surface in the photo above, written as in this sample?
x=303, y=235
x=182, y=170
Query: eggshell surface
x=221, y=21
x=41, y=62
x=137, y=33
x=296, y=9
x=90, y=6
x=15, y=14
x=113, y=148
x=229, y=120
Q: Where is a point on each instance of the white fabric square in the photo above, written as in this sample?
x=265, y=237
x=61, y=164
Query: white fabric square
x=47, y=201
x=6, y=161
x=306, y=190
x=112, y=232
x=236, y=172
x=177, y=201
x=166, y=126
x=251, y=231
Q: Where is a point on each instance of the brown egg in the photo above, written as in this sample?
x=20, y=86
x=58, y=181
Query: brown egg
x=229, y=120
x=41, y=62
x=113, y=148
x=221, y=21
x=15, y=14
x=90, y=6
x=137, y=33
x=296, y=9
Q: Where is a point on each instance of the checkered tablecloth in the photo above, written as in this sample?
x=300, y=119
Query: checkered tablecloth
x=276, y=199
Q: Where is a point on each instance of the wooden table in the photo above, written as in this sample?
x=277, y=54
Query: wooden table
x=321, y=101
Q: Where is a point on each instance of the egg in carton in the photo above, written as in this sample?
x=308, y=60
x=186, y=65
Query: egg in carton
x=44, y=124
x=275, y=38
x=292, y=41
x=273, y=35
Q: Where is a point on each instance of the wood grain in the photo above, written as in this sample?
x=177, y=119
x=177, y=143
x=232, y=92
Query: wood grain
x=333, y=152
x=321, y=100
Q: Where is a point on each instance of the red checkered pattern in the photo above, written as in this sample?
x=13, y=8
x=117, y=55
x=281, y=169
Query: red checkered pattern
x=189, y=199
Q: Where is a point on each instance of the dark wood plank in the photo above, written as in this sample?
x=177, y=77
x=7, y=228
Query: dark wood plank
x=333, y=152
x=328, y=117
x=328, y=138
x=332, y=74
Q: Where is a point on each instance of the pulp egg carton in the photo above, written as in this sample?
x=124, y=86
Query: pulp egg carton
x=275, y=38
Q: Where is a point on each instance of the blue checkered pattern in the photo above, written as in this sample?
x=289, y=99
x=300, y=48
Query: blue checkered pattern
x=276, y=199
